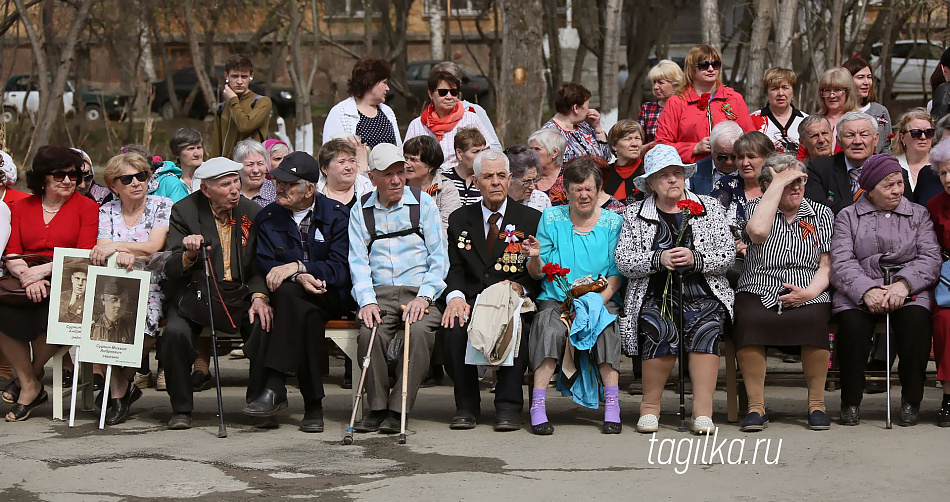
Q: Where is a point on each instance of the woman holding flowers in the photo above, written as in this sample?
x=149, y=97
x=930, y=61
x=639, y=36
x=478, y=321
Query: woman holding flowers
x=575, y=241
x=674, y=235
x=782, y=296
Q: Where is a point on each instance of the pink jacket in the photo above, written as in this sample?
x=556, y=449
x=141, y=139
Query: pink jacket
x=683, y=124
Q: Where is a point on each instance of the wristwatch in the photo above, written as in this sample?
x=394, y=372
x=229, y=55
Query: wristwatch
x=427, y=299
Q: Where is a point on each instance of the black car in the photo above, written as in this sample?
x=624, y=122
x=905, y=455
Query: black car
x=185, y=79
x=475, y=87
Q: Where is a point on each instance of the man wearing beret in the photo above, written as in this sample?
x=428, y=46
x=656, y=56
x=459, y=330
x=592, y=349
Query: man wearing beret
x=215, y=216
x=302, y=250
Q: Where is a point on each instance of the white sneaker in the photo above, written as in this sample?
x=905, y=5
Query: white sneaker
x=160, y=380
x=703, y=425
x=648, y=423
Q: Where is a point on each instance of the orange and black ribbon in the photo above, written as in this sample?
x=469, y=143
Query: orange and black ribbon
x=809, y=229
x=854, y=198
x=245, y=230
x=432, y=189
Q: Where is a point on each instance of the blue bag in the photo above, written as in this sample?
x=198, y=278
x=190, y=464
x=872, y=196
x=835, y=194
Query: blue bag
x=942, y=291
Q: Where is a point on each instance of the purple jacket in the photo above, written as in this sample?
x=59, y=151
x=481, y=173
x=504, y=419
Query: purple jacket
x=864, y=235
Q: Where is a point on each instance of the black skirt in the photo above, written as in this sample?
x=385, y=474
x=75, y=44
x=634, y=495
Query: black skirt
x=24, y=323
x=757, y=325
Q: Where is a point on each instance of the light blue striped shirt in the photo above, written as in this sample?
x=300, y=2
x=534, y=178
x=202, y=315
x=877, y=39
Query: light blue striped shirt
x=398, y=261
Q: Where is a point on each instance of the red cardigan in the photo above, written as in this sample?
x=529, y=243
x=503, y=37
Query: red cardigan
x=75, y=226
x=939, y=208
x=683, y=124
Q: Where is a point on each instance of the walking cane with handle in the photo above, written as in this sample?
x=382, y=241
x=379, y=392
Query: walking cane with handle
x=405, y=386
x=888, y=270
x=348, y=436
x=682, y=354
x=222, y=429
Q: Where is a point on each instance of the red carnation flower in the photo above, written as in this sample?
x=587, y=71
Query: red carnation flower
x=694, y=208
x=703, y=101
x=563, y=271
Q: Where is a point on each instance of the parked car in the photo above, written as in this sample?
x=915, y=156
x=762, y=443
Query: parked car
x=475, y=87
x=95, y=101
x=185, y=79
x=912, y=63
x=21, y=94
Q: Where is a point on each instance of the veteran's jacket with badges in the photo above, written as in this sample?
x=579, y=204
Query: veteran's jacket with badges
x=471, y=270
x=328, y=244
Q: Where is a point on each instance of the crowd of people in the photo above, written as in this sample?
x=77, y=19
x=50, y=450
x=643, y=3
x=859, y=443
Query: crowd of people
x=654, y=239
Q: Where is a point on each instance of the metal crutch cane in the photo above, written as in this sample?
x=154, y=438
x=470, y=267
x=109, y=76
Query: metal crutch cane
x=348, y=436
x=888, y=270
x=682, y=355
x=222, y=429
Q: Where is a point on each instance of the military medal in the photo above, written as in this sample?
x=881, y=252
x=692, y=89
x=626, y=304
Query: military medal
x=498, y=266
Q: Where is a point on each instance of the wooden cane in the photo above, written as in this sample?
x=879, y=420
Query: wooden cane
x=405, y=387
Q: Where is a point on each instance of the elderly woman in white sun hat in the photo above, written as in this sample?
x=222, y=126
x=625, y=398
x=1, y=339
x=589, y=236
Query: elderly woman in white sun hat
x=674, y=231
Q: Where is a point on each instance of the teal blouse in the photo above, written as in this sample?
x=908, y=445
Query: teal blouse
x=591, y=254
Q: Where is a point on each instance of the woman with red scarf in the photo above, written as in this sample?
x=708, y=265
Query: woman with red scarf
x=444, y=116
x=699, y=104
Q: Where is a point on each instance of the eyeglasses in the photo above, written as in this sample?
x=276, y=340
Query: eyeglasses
x=704, y=65
x=126, y=179
x=829, y=92
x=526, y=182
x=60, y=176
x=722, y=157
x=87, y=178
x=443, y=92
x=917, y=133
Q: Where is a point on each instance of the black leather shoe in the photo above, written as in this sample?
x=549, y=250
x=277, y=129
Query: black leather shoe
x=611, y=428
x=907, y=415
x=98, y=382
x=463, y=420
x=119, y=407
x=312, y=421
x=875, y=387
x=200, y=381
x=850, y=414
x=392, y=423
x=179, y=421
x=507, y=420
x=545, y=429
x=943, y=416
x=266, y=404
x=370, y=423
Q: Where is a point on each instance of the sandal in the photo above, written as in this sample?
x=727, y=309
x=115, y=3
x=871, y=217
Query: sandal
x=21, y=412
x=13, y=390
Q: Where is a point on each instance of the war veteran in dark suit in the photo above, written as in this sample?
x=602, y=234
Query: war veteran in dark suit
x=302, y=248
x=219, y=217
x=484, y=249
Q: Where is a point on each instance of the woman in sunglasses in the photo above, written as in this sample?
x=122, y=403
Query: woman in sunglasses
x=837, y=95
x=867, y=100
x=445, y=116
x=54, y=216
x=915, y=137
x=87, y=184
x=133, y=225
x=700, y=103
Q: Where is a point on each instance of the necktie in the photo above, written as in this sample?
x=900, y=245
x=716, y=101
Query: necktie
x=492, y=232
x=855, y=188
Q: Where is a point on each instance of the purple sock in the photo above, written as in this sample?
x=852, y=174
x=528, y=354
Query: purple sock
x=612, y=403
x=538, y=413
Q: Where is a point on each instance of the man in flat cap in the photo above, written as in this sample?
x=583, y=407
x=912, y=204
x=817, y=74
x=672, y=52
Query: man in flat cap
x=302, y=249
x=110, y=326
x=215, y=216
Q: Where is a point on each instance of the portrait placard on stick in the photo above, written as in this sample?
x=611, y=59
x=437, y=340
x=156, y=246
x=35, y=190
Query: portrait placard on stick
x=67, y=296
x=113, y=321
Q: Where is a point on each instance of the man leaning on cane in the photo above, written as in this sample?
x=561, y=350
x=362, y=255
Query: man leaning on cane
x=485, y=250
x=402, y=261
x=219, y=217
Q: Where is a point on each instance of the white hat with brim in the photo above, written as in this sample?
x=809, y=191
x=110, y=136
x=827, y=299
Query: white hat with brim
x=217, y=167
x=383, y=156
x=659, y=158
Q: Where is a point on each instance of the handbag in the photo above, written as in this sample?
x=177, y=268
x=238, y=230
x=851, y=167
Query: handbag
x=11, y=291
x=228, y=300
x=942, y=291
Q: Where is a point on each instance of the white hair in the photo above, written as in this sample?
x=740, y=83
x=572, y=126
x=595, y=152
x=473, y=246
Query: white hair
x=550, y=140
x=940, y=154
x=489, y=154
x=854, y=117
x=726, y=130
x=245, y=147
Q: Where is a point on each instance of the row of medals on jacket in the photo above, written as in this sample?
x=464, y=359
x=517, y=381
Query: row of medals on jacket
x=510, y=261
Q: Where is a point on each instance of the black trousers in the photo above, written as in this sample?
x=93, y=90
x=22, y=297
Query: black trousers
x=509, y=390
x=177, y=353
x=910, y=333
x=296, y=343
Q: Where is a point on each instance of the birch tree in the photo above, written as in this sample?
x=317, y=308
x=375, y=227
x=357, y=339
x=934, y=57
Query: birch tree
x=302, y=77
x=711, y=27
x=521, y=94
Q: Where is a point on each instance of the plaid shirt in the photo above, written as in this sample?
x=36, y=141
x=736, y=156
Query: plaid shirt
x=398, y=261
x=649, y=117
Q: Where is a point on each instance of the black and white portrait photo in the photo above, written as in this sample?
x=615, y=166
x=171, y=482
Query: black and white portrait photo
x=73, y=295
x=113, y=313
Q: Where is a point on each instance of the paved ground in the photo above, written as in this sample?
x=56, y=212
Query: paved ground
x=45, y=460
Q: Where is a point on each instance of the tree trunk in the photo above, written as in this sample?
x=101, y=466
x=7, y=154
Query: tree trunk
x=51, y=98
x=758, y=51
x=784, y=32
x=368, y=26
x=709, y=13
x=163, y=57
x=608, y=63
x=521, y=94
x=436, y=40
x=555, y=67
x=197, y=58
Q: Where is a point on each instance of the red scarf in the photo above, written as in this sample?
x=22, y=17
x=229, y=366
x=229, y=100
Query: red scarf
x=438, y=125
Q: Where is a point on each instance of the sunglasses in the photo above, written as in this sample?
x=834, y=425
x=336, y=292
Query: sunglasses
x=60, y=176
x=917, y=133
x=721, y=157
x=87, y=178
x=444, y=92
x=126, y=179
x=704, y=65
